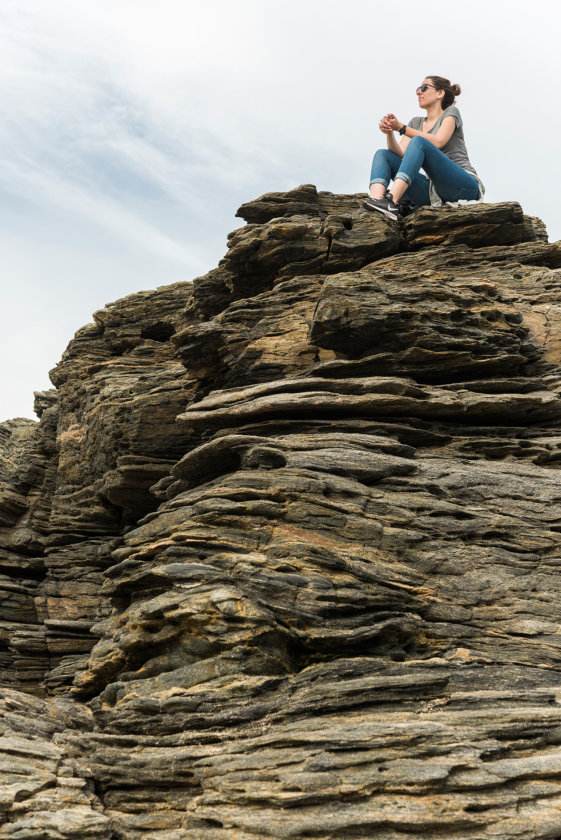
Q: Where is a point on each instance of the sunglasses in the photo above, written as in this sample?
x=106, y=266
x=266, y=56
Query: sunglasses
x=423, y=87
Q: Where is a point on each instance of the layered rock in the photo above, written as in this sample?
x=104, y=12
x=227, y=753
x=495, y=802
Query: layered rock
x=282, y=554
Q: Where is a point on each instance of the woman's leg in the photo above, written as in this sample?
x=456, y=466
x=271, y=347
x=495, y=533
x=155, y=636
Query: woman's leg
x=450, y=180
x=418, y=190
x=384, y=167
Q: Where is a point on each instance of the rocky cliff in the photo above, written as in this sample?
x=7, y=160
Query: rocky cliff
x=282, y=556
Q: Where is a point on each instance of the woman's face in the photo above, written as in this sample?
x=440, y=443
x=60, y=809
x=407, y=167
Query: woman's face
x=428, y=96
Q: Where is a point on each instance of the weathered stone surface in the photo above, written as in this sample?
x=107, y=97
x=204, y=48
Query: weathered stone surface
x=479, y=225
x=330, y=234
x=121, y=389
x=26, y=475
x=283, y=552
x=73, y=481
x=43, y=792
x=470, y=331
x=304, y=200
x=256, y=339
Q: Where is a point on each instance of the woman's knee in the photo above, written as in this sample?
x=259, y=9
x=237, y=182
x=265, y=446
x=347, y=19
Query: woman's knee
x=383, y=155
x=418, y=141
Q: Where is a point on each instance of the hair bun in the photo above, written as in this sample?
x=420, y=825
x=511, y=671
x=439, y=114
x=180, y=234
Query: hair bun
x=456, y=89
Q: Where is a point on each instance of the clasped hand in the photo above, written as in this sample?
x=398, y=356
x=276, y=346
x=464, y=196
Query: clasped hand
x=389, y=123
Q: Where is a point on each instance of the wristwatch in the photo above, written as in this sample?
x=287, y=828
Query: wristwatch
x=403, y=129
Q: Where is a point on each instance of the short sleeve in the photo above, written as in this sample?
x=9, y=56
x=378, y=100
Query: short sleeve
x=452, y=111
x=416, y=123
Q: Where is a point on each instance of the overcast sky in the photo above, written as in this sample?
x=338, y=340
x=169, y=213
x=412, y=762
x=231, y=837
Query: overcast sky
x=133, y=129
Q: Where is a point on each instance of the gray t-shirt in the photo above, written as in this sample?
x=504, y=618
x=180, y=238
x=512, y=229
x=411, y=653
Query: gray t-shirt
x=455, y=148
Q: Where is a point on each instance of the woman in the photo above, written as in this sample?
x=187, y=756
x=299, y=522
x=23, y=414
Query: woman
x=435, y=144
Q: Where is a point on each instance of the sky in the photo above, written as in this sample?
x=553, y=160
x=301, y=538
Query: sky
x=132, y=130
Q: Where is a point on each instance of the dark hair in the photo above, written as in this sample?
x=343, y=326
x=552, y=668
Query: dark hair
x=450, y=91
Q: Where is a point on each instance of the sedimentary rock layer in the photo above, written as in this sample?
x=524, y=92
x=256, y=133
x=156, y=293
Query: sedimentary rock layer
x=282, y=556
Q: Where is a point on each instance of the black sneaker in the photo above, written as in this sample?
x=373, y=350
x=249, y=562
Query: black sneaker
x=382, y=205
x=406, y=207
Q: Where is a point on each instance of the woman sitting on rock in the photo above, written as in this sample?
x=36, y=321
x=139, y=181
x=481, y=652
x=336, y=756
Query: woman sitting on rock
x=434, y=144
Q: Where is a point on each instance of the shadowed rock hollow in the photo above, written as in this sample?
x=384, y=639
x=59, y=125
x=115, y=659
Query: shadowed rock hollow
x=282, y=556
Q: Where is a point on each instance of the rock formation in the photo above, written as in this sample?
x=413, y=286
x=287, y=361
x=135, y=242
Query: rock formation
x=282, y=556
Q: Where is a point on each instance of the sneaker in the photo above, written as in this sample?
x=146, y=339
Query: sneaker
x=382, y=205
x=406, y=207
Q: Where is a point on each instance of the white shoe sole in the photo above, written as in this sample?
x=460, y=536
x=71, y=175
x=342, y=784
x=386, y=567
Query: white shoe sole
x=387, y=213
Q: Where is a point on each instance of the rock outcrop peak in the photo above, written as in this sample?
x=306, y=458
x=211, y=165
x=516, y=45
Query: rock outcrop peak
x=281, y=557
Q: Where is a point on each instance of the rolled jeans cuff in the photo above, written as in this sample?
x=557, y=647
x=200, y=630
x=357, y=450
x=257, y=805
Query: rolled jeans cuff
x=379, y=181
x=402, y=177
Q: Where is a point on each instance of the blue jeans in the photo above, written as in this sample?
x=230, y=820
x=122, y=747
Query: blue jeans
x=451, y=182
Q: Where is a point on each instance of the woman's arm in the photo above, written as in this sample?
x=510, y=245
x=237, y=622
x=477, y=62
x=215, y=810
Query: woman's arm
x=393, y=145
x=439, y=139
